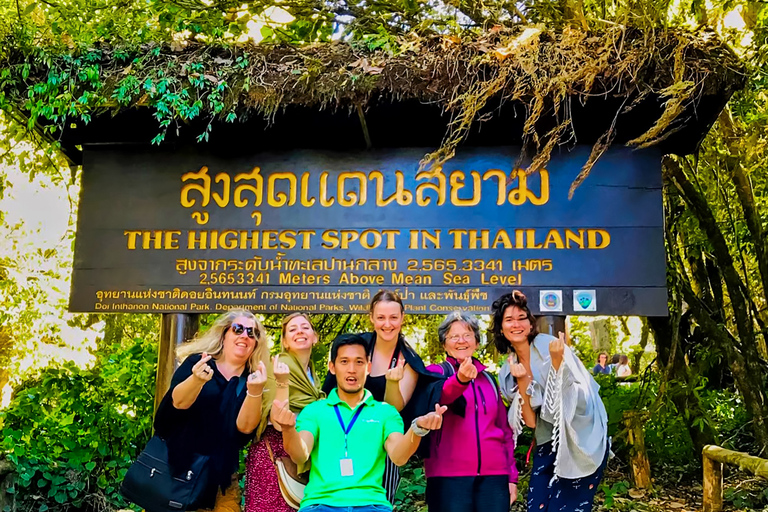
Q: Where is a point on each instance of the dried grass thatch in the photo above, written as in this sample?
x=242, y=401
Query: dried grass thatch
x=538, y=68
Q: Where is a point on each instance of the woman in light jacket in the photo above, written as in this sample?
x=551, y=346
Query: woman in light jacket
x=550, y=390
x=471, y=464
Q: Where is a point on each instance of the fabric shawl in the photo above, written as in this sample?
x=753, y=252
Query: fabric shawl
x=569, y=400
x=301, y=392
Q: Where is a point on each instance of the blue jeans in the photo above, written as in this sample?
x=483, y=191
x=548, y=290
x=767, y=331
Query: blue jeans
x=364, y=508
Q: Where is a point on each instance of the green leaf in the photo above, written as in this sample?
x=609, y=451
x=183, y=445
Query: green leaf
x=29, y=9
x=90, y=466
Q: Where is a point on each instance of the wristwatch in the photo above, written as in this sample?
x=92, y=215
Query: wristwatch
x=421, y=432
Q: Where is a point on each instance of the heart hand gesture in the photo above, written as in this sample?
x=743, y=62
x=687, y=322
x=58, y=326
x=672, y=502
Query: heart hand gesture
x=556, y=351
x=257, y=379
x=467, y=370
x=396, y=374
x=433, y=420
x=281, y=371
x=201, y=370
x=282, y=416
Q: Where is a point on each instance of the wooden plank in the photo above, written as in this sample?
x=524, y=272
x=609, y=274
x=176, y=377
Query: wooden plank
x=746, y=462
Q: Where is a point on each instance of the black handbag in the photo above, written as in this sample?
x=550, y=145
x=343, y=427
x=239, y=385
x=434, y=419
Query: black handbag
x=150, y=484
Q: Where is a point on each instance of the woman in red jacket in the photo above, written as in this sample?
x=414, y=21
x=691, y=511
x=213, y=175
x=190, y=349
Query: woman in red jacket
x=471, y=464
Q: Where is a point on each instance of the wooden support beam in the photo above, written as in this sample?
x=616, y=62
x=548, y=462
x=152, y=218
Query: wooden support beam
x=638, y=458
x=175, y=329
x=551, y=324
x=713, y=485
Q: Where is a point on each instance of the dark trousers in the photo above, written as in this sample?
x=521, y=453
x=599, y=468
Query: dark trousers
x=468, y=493
x=565, y=494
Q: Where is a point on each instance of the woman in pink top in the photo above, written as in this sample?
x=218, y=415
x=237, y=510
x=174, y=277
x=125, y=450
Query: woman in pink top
x=471, y=463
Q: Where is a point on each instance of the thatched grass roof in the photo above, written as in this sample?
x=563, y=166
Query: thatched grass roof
x=545, y=72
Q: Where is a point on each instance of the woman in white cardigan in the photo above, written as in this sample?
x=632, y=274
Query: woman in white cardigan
x=550, y=390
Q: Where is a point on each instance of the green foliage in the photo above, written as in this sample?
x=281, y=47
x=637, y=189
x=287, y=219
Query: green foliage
x=72, y=433
x=612, y=491
x=413, y=484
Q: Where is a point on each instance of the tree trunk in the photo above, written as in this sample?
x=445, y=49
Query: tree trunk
x=733, y=282
x=746, y=194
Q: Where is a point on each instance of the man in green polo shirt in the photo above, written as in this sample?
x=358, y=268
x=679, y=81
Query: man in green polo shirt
x=349, y=435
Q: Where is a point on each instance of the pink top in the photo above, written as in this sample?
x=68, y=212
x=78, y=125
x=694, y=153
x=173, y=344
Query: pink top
x=480, y=443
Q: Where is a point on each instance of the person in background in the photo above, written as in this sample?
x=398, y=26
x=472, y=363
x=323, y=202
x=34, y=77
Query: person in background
x=623, y=369
x=551, y=391
x=294, y=380
x=614, y=362
x=349, y=436
x=602, y=366
x=398, y=376
x=215, y=400
x=471, y=464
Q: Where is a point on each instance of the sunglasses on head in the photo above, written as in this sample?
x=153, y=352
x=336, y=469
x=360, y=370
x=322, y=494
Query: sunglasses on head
x=238, y=329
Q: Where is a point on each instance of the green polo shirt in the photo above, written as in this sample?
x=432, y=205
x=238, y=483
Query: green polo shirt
x=366, y=440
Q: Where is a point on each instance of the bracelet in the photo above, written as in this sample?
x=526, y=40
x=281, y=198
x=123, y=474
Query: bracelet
x=281, y=384
x=419, y=431
x=254, y=396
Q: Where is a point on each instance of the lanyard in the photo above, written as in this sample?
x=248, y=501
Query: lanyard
x=348, y=427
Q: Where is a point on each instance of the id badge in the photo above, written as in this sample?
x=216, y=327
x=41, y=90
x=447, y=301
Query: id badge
x=346, y=467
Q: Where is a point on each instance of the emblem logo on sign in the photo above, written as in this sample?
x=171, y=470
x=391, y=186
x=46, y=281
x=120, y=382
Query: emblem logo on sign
x=551, y=300
x=584, y=300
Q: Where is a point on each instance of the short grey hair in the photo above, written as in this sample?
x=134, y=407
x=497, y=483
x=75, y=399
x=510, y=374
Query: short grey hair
x=458, y=316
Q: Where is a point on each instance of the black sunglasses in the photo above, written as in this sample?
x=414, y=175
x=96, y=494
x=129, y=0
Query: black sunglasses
x=238, y=329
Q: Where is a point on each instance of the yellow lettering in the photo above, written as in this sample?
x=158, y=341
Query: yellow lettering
x=482, y=236
x=132, y=236
x=330, y=238
x=530, y=235
x=193, y=242
x=152, y=236
x=553, y=237
x=228, y=239
x=570, y=236
x=457, y=237
x=502, y=239
x=170, y=241
x=287, y=239
x=598, y=239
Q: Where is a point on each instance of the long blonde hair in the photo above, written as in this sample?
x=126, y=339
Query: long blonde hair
x=212, y=340
x=290, y=317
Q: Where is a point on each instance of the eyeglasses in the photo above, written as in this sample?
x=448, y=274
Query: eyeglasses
x=238, y=329
x=467, y=336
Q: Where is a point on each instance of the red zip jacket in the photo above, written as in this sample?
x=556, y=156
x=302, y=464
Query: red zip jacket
x=481, y=442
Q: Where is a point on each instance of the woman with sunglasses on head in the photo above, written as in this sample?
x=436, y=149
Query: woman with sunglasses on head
x=398, y=375
x=215, y=402
x=295, y=380
x=471, y=464
x=550, y=390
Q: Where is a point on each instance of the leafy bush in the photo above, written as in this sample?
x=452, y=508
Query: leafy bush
x=72, y=433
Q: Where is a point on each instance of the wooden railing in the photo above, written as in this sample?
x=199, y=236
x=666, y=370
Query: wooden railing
x=713, y=458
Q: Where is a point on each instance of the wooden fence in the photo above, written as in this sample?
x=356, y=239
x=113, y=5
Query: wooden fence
x=714, y=457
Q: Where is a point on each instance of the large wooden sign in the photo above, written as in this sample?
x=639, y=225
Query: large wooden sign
x=189, y=231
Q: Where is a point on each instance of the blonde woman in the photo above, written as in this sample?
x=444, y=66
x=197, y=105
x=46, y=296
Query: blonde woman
x=215, y=401
x=295, y=380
